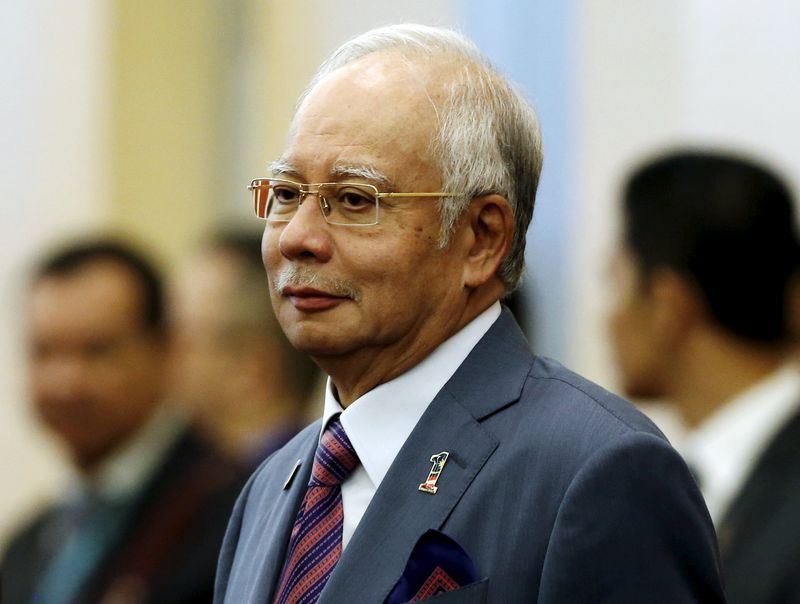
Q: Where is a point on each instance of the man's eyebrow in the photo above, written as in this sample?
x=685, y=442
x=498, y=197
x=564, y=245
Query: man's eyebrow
x=283, y=168
x=342, y=171
x=338, y=172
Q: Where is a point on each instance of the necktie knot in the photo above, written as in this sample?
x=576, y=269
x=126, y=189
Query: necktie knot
x=335, y=458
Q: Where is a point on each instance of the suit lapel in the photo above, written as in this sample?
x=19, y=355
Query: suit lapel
x=275, y=529
x=399, y=512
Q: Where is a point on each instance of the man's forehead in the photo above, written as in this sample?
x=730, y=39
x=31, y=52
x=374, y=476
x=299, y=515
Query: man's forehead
x=385, y=69
x=401, y=82
x=371, y=119
x=98, y=292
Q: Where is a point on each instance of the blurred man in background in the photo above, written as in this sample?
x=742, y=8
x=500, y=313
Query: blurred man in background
x=146, y=512
x=244, y=384
x=701, y=319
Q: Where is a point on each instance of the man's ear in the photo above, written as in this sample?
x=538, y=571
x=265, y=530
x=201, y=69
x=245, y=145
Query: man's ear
x=678, y=306
x=491, y=231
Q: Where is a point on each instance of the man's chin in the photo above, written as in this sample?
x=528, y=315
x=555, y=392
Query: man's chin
x=641, y=391
x=320, y=349
x=319, y=342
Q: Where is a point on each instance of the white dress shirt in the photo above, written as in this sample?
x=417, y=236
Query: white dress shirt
x=380, y=421
x=723, y=450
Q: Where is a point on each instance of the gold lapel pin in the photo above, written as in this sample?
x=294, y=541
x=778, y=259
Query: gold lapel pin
x=438, y=460
x=292, y=474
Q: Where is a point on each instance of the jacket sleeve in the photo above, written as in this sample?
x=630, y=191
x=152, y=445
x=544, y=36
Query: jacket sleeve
x=632, y=527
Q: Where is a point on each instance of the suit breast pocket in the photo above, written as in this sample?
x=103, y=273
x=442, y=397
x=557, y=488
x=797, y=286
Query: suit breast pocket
x=474, y=593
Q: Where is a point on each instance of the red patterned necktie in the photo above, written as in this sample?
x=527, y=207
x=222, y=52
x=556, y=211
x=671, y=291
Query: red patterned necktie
x=316, y=542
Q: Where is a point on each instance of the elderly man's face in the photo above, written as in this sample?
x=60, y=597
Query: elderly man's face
x=386, y=291
x=95, y=370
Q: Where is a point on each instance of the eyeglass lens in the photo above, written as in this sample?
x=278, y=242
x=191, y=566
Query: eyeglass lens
x=341, y=203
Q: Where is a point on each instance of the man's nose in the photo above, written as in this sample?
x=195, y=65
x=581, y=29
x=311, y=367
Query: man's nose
x=67, y=375
x=307, y=234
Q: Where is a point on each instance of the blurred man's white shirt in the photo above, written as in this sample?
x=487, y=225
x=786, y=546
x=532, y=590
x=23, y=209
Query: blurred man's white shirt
x=724, y=449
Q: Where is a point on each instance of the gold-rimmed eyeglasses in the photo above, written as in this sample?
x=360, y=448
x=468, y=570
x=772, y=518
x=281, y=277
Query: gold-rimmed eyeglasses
x=342, y=203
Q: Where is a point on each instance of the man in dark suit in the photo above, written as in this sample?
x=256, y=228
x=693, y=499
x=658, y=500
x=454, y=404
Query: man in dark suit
x=449, y=458
x=147, y=509
x=702, y=320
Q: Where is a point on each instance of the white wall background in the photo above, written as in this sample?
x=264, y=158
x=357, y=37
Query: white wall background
x=662, y=73
x=52, y=183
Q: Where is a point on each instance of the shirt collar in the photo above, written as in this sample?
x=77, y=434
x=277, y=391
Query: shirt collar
x=380, y=421
x=725, y=447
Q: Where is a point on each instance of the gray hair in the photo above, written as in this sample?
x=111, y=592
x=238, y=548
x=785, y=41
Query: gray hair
x=488, y=139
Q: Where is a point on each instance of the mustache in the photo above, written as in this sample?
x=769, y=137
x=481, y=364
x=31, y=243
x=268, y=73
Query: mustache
x=296, y=276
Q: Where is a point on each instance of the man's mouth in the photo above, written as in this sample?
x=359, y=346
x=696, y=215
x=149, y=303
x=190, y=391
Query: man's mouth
x=310, y=299
x=308, y=290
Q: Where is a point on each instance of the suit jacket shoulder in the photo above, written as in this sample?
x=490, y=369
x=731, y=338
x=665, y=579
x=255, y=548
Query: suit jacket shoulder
x=24, y=556
x=557, y=489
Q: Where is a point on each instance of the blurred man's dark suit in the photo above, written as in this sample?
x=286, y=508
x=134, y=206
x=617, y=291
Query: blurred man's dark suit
x=760, y=534
x=167, y=550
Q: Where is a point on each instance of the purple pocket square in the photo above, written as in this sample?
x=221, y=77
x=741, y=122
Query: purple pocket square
x=437, y=564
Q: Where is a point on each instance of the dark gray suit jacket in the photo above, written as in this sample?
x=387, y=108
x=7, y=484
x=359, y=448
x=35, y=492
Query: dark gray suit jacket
x=559, y=491
x=760, y=534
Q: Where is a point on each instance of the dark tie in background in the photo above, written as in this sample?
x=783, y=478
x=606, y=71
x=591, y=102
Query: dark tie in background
x=316, y=542
x=85, y=530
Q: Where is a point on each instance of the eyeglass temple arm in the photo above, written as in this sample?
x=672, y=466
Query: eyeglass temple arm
x=427, y=194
